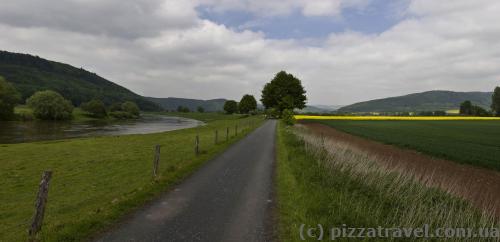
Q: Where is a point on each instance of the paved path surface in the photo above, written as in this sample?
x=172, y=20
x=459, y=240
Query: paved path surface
x=228, y=199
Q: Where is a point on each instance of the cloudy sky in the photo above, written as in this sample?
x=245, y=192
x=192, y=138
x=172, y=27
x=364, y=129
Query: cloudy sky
x=344, y=51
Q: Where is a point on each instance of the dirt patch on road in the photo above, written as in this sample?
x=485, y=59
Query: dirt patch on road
x=479, y=186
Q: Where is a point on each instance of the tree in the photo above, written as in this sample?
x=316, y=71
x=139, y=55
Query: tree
x=247, y=104
x=479, y=111
x=95, y=108
x=466, y=108
x=9, y=97
x=50, y=105
x=495, y=104
x=115, y=107
x=439, y=113
x=182, y=109
x=200, y=109
x=284, y=92
x=132, y=108
x=231, y=106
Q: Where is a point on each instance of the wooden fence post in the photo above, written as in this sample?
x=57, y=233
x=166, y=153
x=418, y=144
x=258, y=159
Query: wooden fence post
x=197, y=145
x=227, y=134
x=156, y=161
x=41, y=201
x=216, y=136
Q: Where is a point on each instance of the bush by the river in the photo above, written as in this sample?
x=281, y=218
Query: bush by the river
x=126, y=110
x=132, y=108
x=95, y=108
x=50, y=105
x=122, y=115
x=9, y=97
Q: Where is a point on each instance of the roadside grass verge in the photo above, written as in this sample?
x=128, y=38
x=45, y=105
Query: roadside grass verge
x=330, y=183
x=98, y=180
x=469, y=142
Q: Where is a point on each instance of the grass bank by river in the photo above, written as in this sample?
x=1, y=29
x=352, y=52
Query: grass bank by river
x=98, y=180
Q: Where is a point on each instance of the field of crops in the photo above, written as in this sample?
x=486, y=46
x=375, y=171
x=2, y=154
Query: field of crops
x=405, y=118
x=471, y=142
x=323, y=181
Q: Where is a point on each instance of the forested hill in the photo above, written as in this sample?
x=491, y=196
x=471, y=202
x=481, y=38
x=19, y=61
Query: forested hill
x=425, y=101
x=31, y=73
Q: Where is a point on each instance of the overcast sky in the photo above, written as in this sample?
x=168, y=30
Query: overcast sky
x=344, y=51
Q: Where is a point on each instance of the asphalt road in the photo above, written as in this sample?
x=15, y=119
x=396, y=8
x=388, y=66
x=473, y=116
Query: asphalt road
x=228, y=199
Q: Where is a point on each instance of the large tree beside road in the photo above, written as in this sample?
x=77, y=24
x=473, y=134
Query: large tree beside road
x=285, y=91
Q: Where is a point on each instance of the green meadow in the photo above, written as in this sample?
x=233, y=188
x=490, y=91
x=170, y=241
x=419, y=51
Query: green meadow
x=98, y=180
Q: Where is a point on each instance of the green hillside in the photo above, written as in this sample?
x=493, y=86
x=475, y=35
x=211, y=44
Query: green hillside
x=31, y=73
x=425, y=101
x=171, y=103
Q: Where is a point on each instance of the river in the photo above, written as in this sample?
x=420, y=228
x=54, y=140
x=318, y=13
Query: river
x=20, y=132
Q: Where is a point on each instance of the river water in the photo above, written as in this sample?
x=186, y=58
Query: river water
x=19, y=132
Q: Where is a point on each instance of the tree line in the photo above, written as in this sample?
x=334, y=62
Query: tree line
x=51, y=105
x=247, y=105
x=469, y=109
x=280, y=97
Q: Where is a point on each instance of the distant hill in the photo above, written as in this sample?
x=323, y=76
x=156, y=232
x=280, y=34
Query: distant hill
x=319, y=109
x=171, y=103
x=425, y=101
x=329, y=107
x=31, y=73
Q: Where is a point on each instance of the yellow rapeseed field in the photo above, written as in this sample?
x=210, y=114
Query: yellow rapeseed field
x=412, y=118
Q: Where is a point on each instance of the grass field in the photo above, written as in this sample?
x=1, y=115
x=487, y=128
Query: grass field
x=98, y=180
x=471, y=142
x=334, y=185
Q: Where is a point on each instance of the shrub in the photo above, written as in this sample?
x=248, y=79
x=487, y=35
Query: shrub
x=50, y=105
x=95, y=108
x=201, y=109
x=115, y=107
x=9, y=97
x=132, y=108
x=182, y=109
x=272, y=113
x=121, y=115
x=253, y=112
x=479, y=111
x=288, y=117
x=25, y=116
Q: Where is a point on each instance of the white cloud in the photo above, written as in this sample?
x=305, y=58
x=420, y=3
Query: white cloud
x=438, y=46
x=119, y=18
